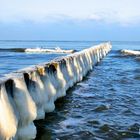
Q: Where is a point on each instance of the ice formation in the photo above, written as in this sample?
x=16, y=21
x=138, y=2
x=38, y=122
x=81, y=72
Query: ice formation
x=26, y=95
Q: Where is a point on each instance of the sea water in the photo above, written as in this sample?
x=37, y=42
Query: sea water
x=105, y=105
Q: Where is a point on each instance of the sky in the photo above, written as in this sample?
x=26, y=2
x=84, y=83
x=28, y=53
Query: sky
x=70, y=20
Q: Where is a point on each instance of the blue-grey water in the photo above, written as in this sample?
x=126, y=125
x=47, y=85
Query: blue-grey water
x=104, y=106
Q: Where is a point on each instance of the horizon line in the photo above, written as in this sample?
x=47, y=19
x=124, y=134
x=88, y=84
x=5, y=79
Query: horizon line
x=55, y=40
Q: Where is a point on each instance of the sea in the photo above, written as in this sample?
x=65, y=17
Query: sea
x=104, y=106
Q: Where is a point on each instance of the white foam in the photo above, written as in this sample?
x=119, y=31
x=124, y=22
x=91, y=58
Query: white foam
x=130, y=52
x=43, y=50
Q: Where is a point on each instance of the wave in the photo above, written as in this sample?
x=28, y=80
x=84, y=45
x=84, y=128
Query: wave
x=131, y=52
x=36, y=50
x=12, y=50
x=43, y=50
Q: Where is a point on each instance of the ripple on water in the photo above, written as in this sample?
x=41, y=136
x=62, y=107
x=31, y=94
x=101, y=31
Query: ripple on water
x=81, y=135
x=137, y=59
x=116, y=133
x=104, y=106
x=128, y=112
x=93, y=122
x=70, y=122
x=137, y=76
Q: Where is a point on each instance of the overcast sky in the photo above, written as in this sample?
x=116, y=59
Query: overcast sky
x=70, y=19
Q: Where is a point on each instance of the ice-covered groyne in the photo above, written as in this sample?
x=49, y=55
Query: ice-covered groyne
x=26, y=95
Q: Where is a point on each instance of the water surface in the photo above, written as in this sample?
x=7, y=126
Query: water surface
x=104, y=106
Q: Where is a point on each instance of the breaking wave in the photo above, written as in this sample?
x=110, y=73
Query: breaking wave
x=131, y=52
x=36, y=50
